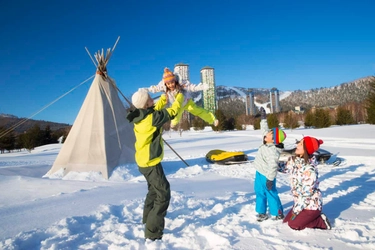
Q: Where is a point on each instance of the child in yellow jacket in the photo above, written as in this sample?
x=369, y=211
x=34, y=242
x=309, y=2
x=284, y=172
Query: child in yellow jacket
x=171, y=86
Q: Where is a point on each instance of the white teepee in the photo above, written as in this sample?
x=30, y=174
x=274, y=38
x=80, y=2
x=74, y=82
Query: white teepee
x=101, y=138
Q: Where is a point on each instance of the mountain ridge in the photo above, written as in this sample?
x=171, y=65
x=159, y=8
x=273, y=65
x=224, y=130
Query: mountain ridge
x=354, y=91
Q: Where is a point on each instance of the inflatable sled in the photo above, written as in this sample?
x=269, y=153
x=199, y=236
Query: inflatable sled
x=322, y=156
x=226, y=158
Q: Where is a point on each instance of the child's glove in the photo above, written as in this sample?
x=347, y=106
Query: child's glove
x=263, y=114
x=293, y=216
x=269, y=184
x=206, y=86
x=201, y=86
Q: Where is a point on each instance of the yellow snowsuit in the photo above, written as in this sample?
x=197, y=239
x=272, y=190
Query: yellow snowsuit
x=149, y=153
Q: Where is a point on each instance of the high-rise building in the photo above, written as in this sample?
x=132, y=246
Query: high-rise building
x=209, y=95
x=274, y=100
x=250, y=103
x=182, y=70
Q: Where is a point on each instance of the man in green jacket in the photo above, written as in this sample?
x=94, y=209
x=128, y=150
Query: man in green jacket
x=148, y=119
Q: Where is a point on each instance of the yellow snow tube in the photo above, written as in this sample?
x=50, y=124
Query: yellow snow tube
x=225, y=157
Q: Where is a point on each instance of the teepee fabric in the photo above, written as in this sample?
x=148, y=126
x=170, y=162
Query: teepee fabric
x=101, y=138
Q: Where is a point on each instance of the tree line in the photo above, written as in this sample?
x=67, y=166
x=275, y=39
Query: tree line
x=33, y=137
x=231, y=117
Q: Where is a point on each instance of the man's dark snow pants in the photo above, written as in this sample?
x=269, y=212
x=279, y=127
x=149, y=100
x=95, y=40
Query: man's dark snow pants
x=157, y=200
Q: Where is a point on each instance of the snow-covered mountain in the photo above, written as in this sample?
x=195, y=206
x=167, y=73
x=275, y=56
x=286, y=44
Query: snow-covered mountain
x=351, y=92
x=8, y=116
x=355, y=91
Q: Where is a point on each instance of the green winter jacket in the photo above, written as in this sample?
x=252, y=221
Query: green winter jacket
x=149, y=147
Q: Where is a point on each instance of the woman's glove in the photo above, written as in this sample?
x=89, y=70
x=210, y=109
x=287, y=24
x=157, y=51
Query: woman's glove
x=293, y=216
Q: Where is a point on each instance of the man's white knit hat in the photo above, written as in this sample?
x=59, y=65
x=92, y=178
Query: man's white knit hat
x=139, y=98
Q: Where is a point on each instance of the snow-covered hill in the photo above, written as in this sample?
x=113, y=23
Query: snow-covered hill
x=212, y=206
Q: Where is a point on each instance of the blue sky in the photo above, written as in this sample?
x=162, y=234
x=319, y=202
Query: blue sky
x=256, y=44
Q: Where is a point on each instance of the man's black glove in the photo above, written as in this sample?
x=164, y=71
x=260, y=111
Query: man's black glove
x=263, y=114
x=269, y=184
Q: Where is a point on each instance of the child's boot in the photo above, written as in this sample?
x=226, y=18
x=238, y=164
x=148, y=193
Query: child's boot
x=262, y=217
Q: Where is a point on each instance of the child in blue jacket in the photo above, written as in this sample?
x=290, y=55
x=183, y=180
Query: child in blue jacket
x=266, y=165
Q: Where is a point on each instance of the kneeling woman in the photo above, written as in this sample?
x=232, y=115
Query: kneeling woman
x=308, y=203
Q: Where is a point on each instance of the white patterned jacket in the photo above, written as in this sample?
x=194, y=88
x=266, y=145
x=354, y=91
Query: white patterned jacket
x=187, y=87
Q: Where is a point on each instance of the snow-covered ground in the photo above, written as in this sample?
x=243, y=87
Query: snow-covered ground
x=212, y=206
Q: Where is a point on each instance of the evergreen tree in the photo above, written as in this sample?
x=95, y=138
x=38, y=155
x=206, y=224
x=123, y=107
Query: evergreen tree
x=198, y=123
x=47, y=136
x=272, y=121
x=370, y=103
x=26, y=141
x=321, y=118
x=7, y=141
x=56, y=135
x=229, y=124
x=32, y=138
x=37, y=135
x=10, y=141
x=221, y=117
x=309, y=119
x=256, y=123
x=344, y=117
x=19, y=142
x=64, y=132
